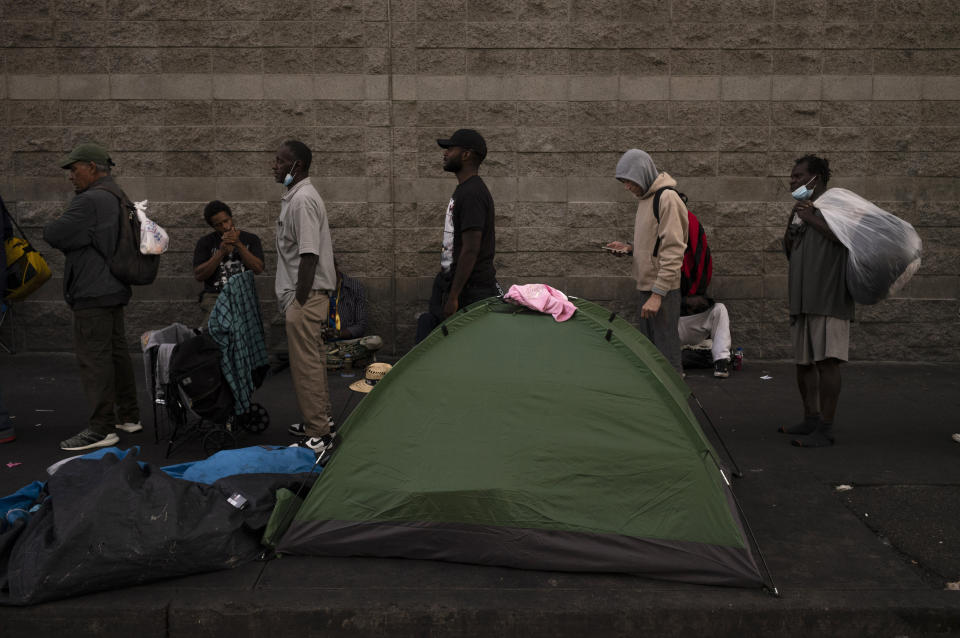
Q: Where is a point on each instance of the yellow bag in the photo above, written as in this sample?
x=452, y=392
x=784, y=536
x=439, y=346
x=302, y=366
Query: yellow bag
x=27, y=270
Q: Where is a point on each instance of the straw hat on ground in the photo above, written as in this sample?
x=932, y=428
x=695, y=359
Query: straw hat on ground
x=375, y=372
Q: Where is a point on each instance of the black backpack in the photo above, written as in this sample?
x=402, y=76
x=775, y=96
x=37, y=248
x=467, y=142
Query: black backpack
x=195, y=367
x=127, y=263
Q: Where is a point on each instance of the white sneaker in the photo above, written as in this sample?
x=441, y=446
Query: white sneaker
x=129, y=427
x=319, y=444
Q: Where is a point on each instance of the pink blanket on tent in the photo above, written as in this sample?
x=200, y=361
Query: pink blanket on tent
x=542, y=298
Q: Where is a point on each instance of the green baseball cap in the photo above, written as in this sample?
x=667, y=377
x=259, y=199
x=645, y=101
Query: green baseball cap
x=87, y=152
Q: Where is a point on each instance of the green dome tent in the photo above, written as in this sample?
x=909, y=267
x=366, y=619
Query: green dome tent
x=507, y=438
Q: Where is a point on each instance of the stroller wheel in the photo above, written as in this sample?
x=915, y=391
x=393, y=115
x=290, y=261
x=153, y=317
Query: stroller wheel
x=256, y=420
x=218, y=439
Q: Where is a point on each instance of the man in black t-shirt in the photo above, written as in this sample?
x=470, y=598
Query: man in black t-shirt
x=467, y=273
x=223, y=253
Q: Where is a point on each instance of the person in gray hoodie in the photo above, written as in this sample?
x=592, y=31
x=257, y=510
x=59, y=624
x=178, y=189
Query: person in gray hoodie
x=87, y=234
x=657, y=250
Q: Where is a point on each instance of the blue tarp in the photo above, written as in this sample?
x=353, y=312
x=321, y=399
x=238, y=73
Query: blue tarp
x=258, y=459
x=18, y=505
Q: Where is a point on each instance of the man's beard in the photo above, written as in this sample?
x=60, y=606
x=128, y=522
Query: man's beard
x=453, y=165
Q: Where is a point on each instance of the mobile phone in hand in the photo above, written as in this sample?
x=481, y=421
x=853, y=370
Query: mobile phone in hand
x=616, y=251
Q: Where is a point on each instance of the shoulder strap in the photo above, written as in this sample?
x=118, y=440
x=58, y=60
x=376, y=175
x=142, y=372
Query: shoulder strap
x=126, y=211
x=656, y=200
x=116, y=191
x=13, y=221
x=656, y=212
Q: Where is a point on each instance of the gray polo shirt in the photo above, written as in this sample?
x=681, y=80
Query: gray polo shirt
x=301, y=229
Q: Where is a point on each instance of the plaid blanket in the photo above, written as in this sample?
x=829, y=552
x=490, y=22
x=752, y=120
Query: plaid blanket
x=237, y=327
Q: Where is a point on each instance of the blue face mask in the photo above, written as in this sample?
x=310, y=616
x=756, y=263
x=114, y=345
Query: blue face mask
x=289, y=178
x=803, y=192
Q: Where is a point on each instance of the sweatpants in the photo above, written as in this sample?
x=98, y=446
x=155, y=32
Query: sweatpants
x=711, y=324
x=661, y=329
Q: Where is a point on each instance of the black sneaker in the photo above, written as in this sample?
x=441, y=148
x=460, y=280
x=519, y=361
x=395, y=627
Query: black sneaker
x=721, y=369
x=298, y=429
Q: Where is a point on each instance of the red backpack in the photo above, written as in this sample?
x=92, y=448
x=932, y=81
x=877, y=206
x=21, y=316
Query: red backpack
x=697, y=266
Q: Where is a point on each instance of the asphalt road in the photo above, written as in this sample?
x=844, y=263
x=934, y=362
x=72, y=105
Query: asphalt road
x=875, y=559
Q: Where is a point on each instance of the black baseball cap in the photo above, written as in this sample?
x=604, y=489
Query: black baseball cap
x=466, y=138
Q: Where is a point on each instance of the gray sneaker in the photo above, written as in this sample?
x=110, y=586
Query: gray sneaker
x=87, y=440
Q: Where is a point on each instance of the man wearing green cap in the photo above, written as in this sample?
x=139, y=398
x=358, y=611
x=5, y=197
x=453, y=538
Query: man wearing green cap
x=87, y=234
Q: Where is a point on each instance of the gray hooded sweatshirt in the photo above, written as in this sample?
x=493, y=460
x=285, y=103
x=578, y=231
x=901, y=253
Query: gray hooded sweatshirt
x=658, y=273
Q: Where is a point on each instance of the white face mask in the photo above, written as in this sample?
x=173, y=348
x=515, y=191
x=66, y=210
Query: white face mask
x=803, y=192
x=289, y=178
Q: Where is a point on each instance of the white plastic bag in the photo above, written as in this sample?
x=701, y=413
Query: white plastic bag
x=153, y=238
x=883, y=250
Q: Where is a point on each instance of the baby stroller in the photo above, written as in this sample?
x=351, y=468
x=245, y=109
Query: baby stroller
x=201, y=382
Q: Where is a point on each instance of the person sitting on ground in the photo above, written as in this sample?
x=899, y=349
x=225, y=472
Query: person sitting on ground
x=223, y=253
x=700, y=317
x=345, y=329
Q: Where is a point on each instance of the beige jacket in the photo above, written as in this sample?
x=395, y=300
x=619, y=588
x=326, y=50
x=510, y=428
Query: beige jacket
x=660, y=274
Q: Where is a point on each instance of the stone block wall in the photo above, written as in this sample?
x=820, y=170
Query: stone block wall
x=193, y=98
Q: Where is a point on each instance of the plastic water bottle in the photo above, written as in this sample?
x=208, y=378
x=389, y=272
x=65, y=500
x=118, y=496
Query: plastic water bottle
x=347, y=371
x=738, y=359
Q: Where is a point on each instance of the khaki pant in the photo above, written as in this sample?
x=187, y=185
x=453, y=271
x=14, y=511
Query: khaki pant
x=308, y=360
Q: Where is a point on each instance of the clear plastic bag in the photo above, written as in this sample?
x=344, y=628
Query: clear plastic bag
x=884, y=251
x=153, y=238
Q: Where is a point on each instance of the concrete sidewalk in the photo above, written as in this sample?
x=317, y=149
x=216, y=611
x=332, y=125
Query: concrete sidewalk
x=873, y=560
